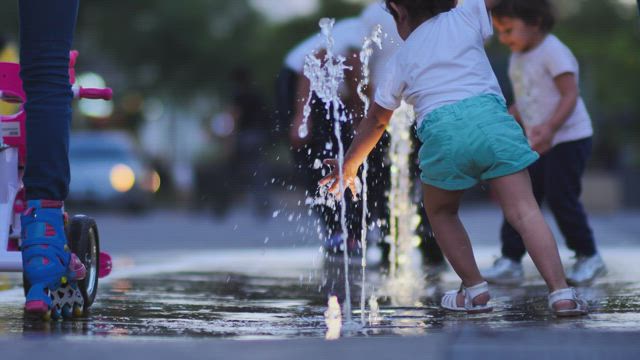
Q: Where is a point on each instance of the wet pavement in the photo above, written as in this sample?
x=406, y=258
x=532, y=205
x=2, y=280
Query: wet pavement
x=252, y=300
x=182, y=283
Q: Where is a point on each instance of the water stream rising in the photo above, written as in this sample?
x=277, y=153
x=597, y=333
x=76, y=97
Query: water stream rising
x=325, y=76
x=405, y=284
x=365, y=56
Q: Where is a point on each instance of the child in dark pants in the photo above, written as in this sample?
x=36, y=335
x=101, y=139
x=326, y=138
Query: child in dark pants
x=544, y=74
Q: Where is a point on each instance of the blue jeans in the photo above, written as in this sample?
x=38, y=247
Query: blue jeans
x=46, y=34
x=556, y=178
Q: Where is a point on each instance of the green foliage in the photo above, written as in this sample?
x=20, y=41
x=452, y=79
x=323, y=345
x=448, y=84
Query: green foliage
x=172, y=48
x=179, y=49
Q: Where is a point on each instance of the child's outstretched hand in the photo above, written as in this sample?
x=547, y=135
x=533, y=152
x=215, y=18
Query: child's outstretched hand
x=349, y=172
x=541, y=138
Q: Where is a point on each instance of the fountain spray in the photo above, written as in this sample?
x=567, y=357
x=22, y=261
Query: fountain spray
x=325, y=76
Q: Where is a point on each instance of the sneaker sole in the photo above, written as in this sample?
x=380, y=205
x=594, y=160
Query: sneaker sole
x=571, y=313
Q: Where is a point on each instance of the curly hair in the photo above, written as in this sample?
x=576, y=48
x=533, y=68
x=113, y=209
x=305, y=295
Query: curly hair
x=532, y=12
x=420, y=10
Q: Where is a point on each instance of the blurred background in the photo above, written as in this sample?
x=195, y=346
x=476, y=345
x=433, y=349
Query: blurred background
x=173, y=136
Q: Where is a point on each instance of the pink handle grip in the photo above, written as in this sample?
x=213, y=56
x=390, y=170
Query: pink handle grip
x=73, y=57
x=88, y=93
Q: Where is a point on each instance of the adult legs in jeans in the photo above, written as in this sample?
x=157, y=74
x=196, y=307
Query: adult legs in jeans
x=556, y=177
x=46, y=34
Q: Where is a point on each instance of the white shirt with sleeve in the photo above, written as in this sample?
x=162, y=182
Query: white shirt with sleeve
x=532, y=74
x=442, y=62
x=347, y=34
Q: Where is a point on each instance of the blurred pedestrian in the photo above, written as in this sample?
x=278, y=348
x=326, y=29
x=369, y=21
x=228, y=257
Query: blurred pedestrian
x=348, y=35
x=249, y=165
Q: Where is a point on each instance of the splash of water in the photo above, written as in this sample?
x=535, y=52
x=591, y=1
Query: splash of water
x=374, y=310
x=325, y=76
x=365, y=56
x=333, y=319
x=404, y=281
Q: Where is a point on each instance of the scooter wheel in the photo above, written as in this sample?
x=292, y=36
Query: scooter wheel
x=84, y=241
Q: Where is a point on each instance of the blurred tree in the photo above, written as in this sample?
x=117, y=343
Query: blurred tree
x=180, y=50
x=171, y=48
x=606, y=39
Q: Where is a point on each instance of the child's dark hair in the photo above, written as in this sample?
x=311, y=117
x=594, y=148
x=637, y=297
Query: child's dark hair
x=532, y=12
x=421, y=10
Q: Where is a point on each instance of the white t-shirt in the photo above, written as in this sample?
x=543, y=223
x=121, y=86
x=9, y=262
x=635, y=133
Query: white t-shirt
x=536, y=94
x=376, y=14
x=442, y=62
x=347, y=34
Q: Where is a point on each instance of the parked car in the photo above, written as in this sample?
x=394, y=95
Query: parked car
x=108, y=169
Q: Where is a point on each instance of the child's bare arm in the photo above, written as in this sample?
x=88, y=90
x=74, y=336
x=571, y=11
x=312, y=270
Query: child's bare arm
x=541, y=136
x=367, y=136
x=568, y=87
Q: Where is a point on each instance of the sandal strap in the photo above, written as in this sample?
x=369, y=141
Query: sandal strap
x=472, y=292
x=449, y=301
x=476, y=290
x=568, y=294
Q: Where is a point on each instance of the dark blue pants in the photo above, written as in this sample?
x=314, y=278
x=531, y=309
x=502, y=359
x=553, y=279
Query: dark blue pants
x=556, y=178
x=46, y=34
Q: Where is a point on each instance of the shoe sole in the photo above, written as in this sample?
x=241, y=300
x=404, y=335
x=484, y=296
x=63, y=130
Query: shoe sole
x=36, y=307
x=480, y=311
x=570, y=313
x=66, y=303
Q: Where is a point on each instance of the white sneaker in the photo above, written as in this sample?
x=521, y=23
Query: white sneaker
x=504, y=272
x=585, y=270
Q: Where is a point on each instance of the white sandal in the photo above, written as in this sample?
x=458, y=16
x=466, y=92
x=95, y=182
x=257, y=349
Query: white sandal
x=568, y=294
x=449, y=300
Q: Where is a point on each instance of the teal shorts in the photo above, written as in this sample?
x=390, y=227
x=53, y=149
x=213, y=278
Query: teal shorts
x=470, y=141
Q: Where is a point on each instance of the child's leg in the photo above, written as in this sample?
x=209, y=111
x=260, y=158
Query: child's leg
x=522, y=211
x=567, y=162
x=442, y=209
x=512, y=245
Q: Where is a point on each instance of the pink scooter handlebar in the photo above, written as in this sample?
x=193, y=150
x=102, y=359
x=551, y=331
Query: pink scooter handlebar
x=89, y=93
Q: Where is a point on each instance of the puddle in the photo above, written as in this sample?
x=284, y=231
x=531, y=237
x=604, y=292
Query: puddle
x=251, y=305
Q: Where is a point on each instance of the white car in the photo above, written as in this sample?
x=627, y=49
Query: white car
x=107, y=169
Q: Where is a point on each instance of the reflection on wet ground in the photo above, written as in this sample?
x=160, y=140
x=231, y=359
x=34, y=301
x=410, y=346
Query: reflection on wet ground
x=249, y=305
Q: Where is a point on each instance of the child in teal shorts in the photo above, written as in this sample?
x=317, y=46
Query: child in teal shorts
x=467, y=136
